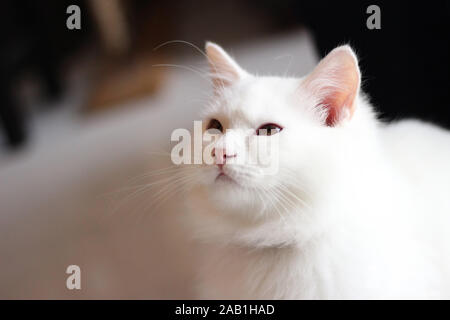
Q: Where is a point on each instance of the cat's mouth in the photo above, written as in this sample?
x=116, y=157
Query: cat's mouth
x=223, y=177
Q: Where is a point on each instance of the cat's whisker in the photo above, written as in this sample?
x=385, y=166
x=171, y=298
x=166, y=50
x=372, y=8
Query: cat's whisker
x=285, y=198
x=293, y=195
x=172, y=182
x=216, y=75
x=291, y=178
x=172, y=185
x=138, y=190
x=188, y=44
x=157, y=172
x=277, y=209
x=132, y=179
x=175, y=187
x=189, y=68
x=141, y=189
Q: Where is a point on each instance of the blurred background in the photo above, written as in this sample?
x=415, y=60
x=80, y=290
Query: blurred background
x=86, y=115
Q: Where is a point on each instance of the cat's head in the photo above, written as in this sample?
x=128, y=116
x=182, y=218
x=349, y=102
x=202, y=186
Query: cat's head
x=299, y=118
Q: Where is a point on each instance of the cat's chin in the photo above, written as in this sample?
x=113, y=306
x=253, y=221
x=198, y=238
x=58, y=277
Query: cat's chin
x=222, y=178
x=228, y=195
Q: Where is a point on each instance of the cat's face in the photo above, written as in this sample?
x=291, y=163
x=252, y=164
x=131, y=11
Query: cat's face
x=272, y=133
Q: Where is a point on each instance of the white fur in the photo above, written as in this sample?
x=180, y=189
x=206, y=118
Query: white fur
x=357, y=210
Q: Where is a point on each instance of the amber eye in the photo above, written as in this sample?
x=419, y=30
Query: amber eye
x=215, y=124
x=268, y=129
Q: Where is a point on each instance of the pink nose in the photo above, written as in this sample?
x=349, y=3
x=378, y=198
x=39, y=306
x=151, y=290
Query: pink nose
x=221, y=155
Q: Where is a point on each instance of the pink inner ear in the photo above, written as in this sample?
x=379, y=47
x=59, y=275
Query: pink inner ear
x=336, y=81
x=333, y=113
x=342, y=99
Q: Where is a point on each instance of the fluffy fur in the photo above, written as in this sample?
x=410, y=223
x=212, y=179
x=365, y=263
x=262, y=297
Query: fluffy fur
x=358, y=208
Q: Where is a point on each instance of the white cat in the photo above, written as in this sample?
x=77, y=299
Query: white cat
x=358, y=208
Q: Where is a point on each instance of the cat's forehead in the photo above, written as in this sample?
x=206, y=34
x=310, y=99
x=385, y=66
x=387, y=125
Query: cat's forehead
x=254, y=100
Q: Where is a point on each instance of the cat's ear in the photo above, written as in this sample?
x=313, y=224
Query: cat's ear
x=335, y=83
x=224, y=70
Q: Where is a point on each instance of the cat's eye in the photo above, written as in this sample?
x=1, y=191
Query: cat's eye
x=268, y=129
x=215, y=124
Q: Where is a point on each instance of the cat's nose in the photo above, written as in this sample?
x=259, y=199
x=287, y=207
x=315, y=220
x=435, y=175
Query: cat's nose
x=221, y=155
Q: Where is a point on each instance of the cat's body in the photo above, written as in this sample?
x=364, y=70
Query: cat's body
x=358, y=208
